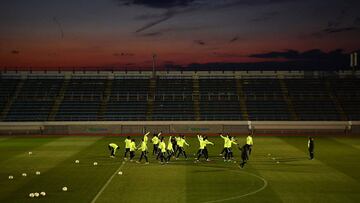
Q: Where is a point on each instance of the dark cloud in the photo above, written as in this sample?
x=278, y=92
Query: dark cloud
x=152, y=34
x=57, y=22
x=123, y=54
x=331, y=30
x=15, y=52
x=199, y=42
x=234, y=39
x=313, y=54
x=160, y=18
x=176, y=7
x=226, y=55
x=156, y=3
x=357, y=21
x=314, y=59
x=265, y=17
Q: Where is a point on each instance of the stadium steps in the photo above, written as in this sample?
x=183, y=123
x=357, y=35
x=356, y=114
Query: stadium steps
x=151, y=98
x=58, y=100
x=105, y=99
x=196, y=95
x=242, y=100
x=9, y=103
x=336, y=101
x=287, y=99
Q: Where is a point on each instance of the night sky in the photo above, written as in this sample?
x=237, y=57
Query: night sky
x=187, y=33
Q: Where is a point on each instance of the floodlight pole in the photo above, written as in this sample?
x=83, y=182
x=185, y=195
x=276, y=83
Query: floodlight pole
x=154, y=66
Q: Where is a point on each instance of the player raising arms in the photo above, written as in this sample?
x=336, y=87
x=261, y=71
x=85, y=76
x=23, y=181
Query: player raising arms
x=162, y=150
x=127, y=146
x=169, y=150
x=232, y=141
x=203, y=150
x=180, y=142
x=143, y=148
x=155, y=140
x=225, y=138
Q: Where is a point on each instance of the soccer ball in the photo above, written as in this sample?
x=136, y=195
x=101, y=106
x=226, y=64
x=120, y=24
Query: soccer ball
x=278, y=162
x=36, y=194
x=120, y=173
x=64, y=189
x=31, y=195
x=95, y=163
x=24, y=174
x=77, y=161
x=42, y=193
x=30, y=153
x=37, y=172
x=11, y=177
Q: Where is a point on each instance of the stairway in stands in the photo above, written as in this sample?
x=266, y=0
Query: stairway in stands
x=242, y=99
x=336, y=101
x=105, y=99
x=9, y=103
x=151, y=98
x=288, y=100
x=58, y=100
x=196, y=97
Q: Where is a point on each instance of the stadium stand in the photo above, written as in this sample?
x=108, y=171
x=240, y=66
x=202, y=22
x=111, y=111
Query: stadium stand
x=139, y=97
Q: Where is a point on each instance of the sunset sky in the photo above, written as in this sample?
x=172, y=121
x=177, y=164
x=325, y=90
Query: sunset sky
x=125, y=33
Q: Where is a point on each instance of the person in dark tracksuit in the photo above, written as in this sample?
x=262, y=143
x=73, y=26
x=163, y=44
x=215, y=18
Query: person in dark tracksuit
x=311, y=148
x=244, y=154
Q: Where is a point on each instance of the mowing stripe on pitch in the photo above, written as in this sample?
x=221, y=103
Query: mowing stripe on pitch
x=107, y=183
x=244, y=195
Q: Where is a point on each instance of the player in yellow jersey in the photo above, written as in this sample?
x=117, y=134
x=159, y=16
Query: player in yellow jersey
x=162, y=150
x=143, y=148
x=127, y=146
x=113, y=147
x=169, y=150
x=181, y=142
x=203, y=150
x=132, y=149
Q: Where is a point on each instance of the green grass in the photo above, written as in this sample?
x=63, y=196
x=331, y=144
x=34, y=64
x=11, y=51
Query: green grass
x=334, y=175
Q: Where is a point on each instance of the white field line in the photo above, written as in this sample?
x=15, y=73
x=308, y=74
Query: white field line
x=244, y=195
x=107, y=183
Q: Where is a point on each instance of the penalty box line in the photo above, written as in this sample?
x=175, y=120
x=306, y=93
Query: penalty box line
x=107, y=183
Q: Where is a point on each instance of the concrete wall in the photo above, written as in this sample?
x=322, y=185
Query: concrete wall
x=183, y=127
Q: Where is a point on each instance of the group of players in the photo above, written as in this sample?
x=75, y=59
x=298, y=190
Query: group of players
x=175, y=148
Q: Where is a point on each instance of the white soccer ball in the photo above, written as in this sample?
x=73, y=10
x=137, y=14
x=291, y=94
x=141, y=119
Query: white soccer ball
x=37, y=173
x=11, y=177
x=36, y=194
x=30, y=153
x=269, y=154
x=120, y=173
x=42, y=193
x=64, y=189
x=273, y=158
x=77, y=161
x=278, y=162
x=31, y=195
x=95, y=163
x=24, y=174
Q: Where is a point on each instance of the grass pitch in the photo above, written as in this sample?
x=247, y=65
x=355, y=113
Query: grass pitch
x=278, y=171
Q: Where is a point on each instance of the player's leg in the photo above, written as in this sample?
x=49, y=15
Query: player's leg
x=146, y=158
x=200, y=152
x=206, y=154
